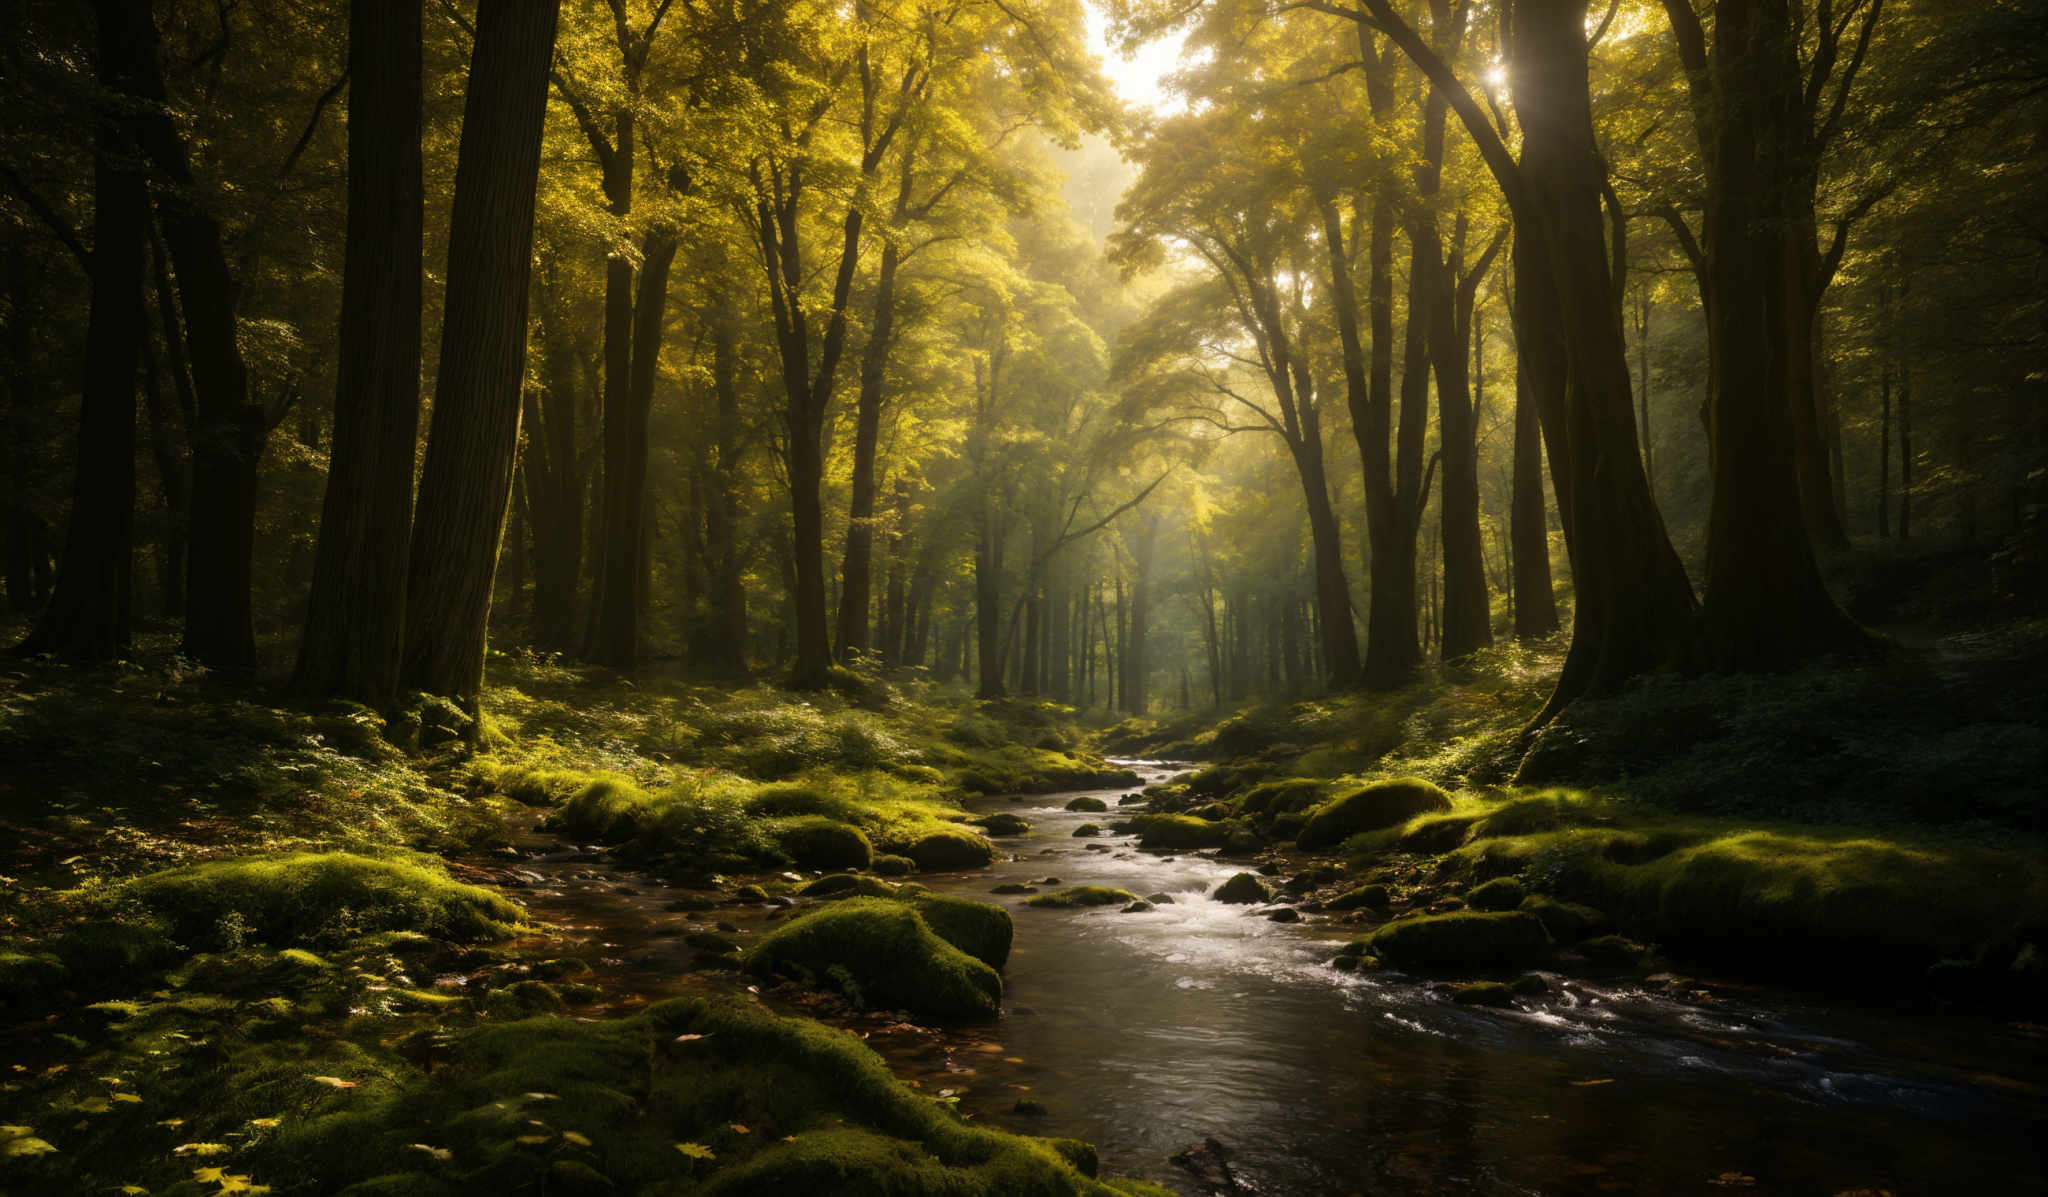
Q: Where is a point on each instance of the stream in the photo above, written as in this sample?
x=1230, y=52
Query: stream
x=1147, y=1033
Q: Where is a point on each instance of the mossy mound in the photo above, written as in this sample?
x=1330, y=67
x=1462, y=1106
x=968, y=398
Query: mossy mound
x=1244, y=889
x=1178, y=832
x=1090, y=805
x=1086, y=830
x=818, y=842
x=890, y=865
x=1365, y=897
x=1501, y=893
x=1567, y=922
x=1462, y=941
x=1083, y=895
x=846, y=885
x=983, y=930
x=943, y=847
x=1483, y=993
x=1002, y=823
x=1284, y=796
x=1381, y=804
x=1611, y=950
x=880, y=953
x=305, y=898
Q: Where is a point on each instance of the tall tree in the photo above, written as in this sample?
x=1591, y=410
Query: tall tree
x=355, y=615
x=466, y=478
x=88, y=613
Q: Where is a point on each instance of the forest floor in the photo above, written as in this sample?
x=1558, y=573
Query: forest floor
x=250, y=941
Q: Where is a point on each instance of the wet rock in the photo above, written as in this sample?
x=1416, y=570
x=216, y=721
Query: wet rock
x=1087, y=829
x=1501, y=893
x=1014, y=888
x=1382, y=804
x=717, y=945
x=1139, y=907
x=1286, y=914
x=1465, y=941
x=781, y=902
x=1529, y=985
x=1270, y=869
x=1029, y=1107
x=1131, y=800
x=1088, y=804
x=1178, y=832
x=726, y=927
x=1482, y=993
x=1209, y=1164
x=1002, y=824
x=1083, y=895
x=1160, y=899
x=1048, y=881
x=1244, y=890
x=1098, y=847
x=750, y=893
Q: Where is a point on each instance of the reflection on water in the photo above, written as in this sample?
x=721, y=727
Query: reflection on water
x=1144, y=1033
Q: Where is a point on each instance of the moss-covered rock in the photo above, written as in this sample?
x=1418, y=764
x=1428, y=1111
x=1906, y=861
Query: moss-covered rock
x=1501, y=893
x=890, y=865
x=944, y=847
x=1365, y=897
x=28, y=977
x=1086, y=830
x=1283, y=796
x=1483, y=993
x=1244, y=889
x=1611, y=950
x=1178, y=832
x=1381, y=804
x=880, y=953
x=1567, y=922
x=1462, y=941
x=819, y=842
x=842, y=885
x=983, y=930
x=1088, y=804
x=1002, y=823
x=1083, y=895
x=303, y=898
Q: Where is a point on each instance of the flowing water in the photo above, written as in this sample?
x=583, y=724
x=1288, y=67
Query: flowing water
x=1147, y=1033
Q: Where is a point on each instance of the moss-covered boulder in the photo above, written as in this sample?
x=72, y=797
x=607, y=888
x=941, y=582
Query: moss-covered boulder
x=1244, y=889
x=1611, y=950
x=847, y=885
x=305, y=897
x=944, y=846
x=881, y=954
x=983, y=930
x=1501, y=893
x=1462, y=941
x=818, y=842
x=1365, y=897
x=1483, y=993
x=889, y=865
x=1002, y=823
x=1178, y=832
x=1088, y=804
x=1283, y=796
x=1086, y=830
x=1083, y=895
x=1381, y=804
x=1567, y=922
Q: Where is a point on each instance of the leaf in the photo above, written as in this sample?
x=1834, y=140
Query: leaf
x=691, y=1038
x=335, y=1081
x=266, y=1122
x=543, y=1097
x=740, y=1130
x=533, y=1140
x=132, y=1191
x=200, y=1149
x=209, y=1176
x=128, y=1097
x=697, y=1151
x=23, y=1145
x=1605, y=1080
x=440, y=1153
x=173, y=1123
x=576, y=1139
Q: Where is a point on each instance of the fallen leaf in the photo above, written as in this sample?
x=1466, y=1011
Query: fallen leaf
x=531, y=1140
x=335, y=1081
x=440, y=1153
x=200, y=1149
x=697, y=1151
x=573, y=1138
x=740, y=1130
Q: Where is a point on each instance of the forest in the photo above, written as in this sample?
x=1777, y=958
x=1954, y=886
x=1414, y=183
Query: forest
x=984, y=598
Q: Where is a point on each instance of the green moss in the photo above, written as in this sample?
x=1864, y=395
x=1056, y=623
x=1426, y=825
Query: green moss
x=1086, y=831
x=837, y=885
x=1178, y=832
x=1610, y=950
x=1501, y=893
x=1381, y=804
x=890, y=865
x=983, y=930
x=1002, y=823
x=28, y=977
x=306, y=897
x=1284, y=796
x=1366, y=897
x=1082, y=895
x=609, y=809
x=943, y=846
x=890, y=953
x=1483, y=993
x=1567, y=922
x=818, y=842
x=1088, y=804
x=1462, y=941
x=1243, y=889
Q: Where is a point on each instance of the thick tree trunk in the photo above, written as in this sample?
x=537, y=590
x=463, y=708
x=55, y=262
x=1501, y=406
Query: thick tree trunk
x=355, y=614
x=554, y=491
x=1633, y=603
x=172, y=481
x=615, y=626
x=1765, y=605
x=87, y=618
x=473, y=437
x=1467, y=611
x=1528, y=529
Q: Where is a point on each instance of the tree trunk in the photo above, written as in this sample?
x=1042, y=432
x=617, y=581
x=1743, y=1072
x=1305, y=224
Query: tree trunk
x=615, y=627
x=1765, y=604
x=554, y=490
x=355, y=614
x=87, y=618
x=1467, y=611
x=473, y=437
x=857, y=566
x=1528, y=529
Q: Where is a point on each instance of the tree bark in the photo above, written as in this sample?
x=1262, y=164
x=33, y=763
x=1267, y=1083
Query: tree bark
x=1528, y=529
x=355, y=615
x=615, y=626
x=1467, y=610
x=856, y=570
x=87, y=618
x=466, y=478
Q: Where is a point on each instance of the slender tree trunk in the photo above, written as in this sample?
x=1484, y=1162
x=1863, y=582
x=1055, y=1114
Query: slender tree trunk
x=172, y=480
x=1643, y=385
x=1528, y=528
x=1467, y=611
x=857, y=566
x=87, y=618
x=615, y=628
x=355, y=614
x=473, y=437
x=554, y=489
